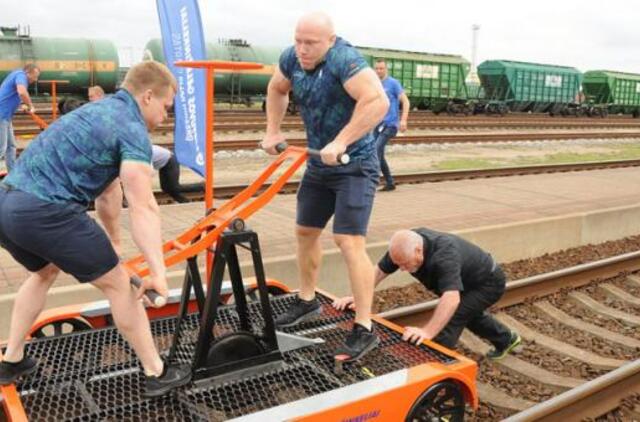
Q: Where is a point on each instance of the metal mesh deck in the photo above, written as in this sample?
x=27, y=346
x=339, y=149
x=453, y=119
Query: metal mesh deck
x=94, y=375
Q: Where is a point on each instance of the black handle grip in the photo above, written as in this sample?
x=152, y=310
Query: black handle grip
x=342, y=158
x=154, y=297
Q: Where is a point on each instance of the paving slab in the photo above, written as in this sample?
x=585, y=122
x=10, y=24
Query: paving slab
x=447, y=206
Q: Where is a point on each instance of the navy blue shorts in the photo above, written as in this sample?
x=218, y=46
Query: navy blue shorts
x=37, y=232
x=346, y=192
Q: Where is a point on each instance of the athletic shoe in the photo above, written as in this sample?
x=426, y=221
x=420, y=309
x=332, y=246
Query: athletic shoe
x=11, y=371
x=173, y=376
x=299, y=311
x=358, y=343
x=514, y=342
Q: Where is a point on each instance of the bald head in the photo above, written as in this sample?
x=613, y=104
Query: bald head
x=316, y=21
x=406, y=250
x=314, y=36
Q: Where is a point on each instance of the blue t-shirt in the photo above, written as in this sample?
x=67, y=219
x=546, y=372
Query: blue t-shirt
x=79, y=155
x=9, y=98
x=325, y=105
x=393, y=89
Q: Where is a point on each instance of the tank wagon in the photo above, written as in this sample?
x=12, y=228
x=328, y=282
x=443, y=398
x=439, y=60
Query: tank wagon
x=612, y=92
x=529, y=87
x=431, y=81
x=233, y=86
x=82, y=62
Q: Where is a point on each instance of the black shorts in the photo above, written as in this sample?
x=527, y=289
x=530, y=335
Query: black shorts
x=37, y=232
x=346, y=192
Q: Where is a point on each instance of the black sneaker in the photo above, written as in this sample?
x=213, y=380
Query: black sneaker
x=388, y=188
x=173, y=376
x=11, y=371
x=358, y=343
x=300, y=310
x=514, y=341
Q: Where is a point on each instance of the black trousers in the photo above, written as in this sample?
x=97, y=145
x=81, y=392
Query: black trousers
x=170, y=179
x=384, y=134
x=472, y=313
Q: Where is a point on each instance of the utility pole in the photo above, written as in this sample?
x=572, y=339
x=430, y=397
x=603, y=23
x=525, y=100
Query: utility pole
x=473, y=72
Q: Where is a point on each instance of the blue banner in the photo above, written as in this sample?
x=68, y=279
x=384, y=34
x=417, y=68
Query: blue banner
x=182, y=39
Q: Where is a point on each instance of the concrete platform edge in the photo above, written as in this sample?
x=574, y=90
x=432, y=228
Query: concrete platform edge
x=507, y=242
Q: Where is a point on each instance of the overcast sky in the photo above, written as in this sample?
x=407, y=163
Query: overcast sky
x=585, y=34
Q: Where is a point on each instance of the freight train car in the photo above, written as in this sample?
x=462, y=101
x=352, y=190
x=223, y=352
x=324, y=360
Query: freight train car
x=529, y=87
x=244, y=86
x=431, y=81
x=80, y=61
x=612, y=92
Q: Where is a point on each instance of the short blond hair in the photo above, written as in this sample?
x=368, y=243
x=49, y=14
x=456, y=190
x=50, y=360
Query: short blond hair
x=149, y=75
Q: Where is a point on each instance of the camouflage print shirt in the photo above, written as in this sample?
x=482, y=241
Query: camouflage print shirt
x=325, y=105
x=79, y=155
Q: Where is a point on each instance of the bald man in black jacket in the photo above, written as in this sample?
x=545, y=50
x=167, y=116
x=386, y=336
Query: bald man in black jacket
x=466, y=278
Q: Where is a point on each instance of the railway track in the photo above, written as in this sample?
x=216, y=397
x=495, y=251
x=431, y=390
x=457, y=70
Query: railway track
x=581, y=344
x=232, y=145
x=24, y=126
x=252, y=144
x=227, y=191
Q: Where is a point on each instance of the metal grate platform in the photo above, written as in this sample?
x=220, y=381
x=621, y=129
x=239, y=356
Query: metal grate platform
x=94, y=375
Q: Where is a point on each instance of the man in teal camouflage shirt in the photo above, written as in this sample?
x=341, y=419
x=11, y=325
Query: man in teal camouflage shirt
x=45, y=227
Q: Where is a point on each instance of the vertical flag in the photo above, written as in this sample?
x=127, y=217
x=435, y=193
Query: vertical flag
x=182, y=39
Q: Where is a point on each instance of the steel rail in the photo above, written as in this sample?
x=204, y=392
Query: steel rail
x=226, y=191
x=455, y=138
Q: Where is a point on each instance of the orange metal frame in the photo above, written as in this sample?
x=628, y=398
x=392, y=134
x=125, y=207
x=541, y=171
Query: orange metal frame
x=210, y=67
x=389, y=405
x=204, y=234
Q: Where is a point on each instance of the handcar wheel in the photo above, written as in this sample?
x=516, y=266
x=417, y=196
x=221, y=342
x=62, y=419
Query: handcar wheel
x=441, y=402
x=63, y=326
x=233, y=347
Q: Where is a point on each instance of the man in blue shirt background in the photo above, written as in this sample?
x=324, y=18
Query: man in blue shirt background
x=341, y=100
x=389, y=126
x=12, y=91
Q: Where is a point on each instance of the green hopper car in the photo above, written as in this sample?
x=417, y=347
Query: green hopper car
x=431, y=81
x=528, y=87
x=618, y=92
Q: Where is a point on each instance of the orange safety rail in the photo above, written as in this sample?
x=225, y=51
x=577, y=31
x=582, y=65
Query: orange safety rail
x=76, y=311
x=204, y=234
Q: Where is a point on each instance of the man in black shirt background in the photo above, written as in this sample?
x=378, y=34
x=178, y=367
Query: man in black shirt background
x=467, y=280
